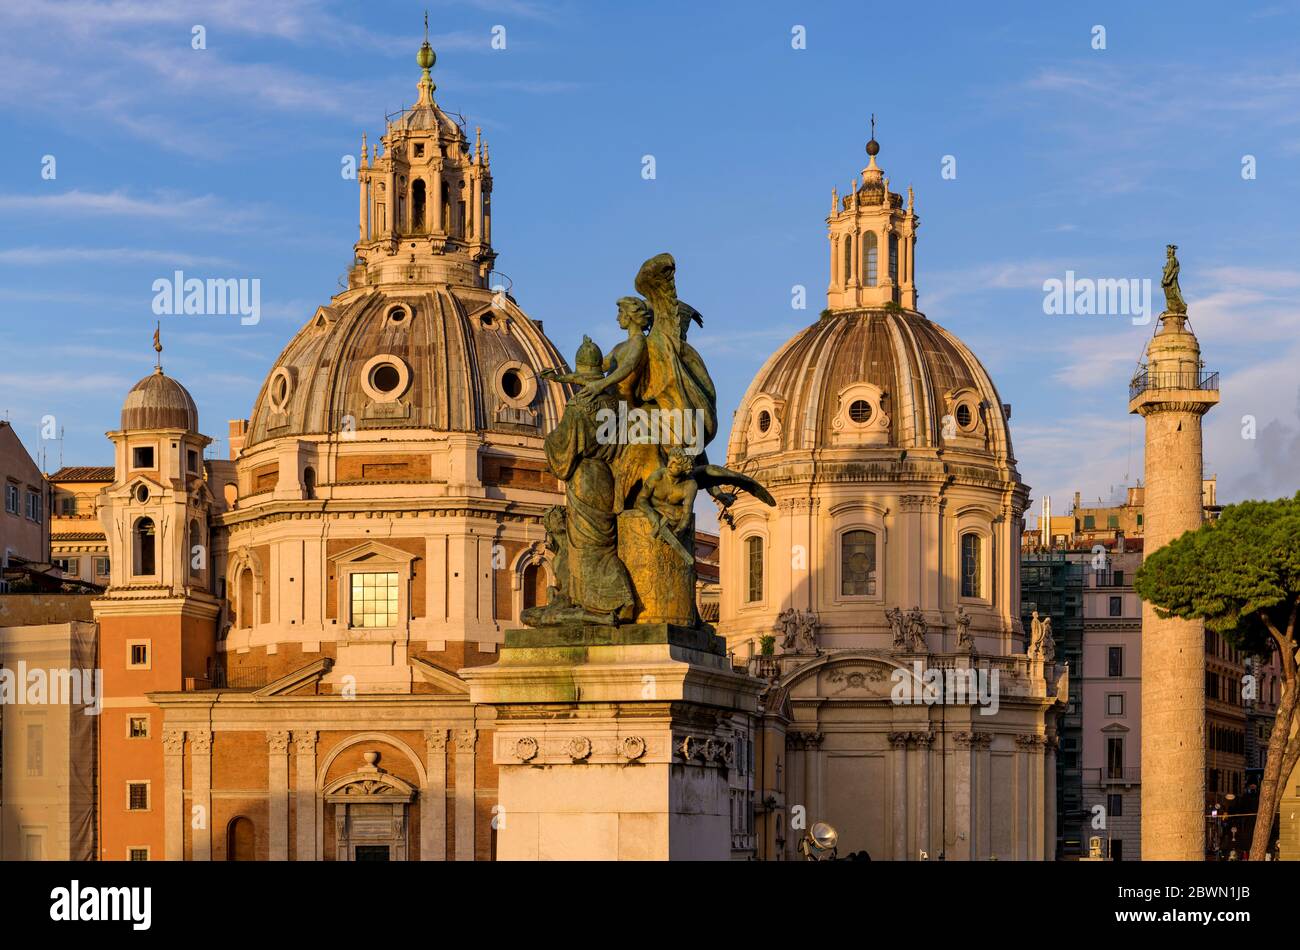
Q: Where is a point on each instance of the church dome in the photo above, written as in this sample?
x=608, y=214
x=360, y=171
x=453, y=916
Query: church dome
x=884, y=377
x=159, y=402
x=444, y=358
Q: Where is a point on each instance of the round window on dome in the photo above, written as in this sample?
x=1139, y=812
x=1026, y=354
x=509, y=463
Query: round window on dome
x=397, y=314
x=964, y=416
x=512, y=384
x=860, y=411
x=386, y=378
x=764, y=421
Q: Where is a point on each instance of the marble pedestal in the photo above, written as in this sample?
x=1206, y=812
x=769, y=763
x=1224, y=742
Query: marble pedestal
x=614, y=743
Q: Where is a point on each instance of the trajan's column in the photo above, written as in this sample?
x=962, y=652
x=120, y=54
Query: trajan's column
x=1171, y=392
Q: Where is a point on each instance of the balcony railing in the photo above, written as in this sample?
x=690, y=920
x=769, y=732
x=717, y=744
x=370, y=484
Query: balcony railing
x=1112, y=776
x=1192, y=379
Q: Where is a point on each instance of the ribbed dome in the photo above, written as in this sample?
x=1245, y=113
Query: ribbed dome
x=880, y=377
x=159, y=402
x=450, y=359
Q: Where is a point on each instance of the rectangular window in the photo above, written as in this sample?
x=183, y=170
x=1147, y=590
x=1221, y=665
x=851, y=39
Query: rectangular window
x=1089, y=522
x=67, y=506
x=1115, y=661
x=374, y=600
x=142, y=456
x=1114, y=805
x=192, y=461
x=1119, y=578
x=137, y=854
x=137, y=655
x=1116, y=606
x=101, y=567
x=34, y=507
x=754, y=550
x=970, y=565
x=1112, y=521
x=11, y=499
x=1139, y=521
x=35, y=751
x=70, y=566
x=1117, y=849
x=138, y=727
x=858, y=564
x=137, y=796
x=1114, y=757
x=1114, y=704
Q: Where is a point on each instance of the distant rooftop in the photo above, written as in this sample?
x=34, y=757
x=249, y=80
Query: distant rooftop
x=83, y=473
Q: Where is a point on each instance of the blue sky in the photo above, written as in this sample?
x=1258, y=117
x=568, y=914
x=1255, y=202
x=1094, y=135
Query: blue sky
x=225, y=162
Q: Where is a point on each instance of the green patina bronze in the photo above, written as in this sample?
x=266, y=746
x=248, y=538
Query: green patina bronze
x=623, y=543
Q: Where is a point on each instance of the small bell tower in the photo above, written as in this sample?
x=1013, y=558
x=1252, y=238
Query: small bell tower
x=872, y=237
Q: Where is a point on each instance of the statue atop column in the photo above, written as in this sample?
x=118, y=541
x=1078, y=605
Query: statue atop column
x=631, y=448
x=1174, y=302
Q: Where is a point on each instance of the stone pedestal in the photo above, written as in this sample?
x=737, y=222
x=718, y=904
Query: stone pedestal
x=614, y=743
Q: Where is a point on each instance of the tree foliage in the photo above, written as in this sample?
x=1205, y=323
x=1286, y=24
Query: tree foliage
x=1231, y=573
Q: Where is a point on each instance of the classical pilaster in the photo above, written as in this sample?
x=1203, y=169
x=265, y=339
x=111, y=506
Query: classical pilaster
x=466, y=740
x=898, y=743
x=304, y=789
x=174, y=823
x=433, y=798
x=201, y=795
x=277, y=791
x=1049, y=777
x=923, y=740
x=964, y=795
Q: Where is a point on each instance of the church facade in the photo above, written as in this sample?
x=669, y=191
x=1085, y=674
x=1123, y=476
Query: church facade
x=282, y=631
x=881, y=598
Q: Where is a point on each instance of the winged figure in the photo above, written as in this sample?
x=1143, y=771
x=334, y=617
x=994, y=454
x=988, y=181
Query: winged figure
x=668, y=496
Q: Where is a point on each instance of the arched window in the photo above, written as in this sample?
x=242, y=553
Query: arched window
x=231, y=491
x=196, y=553
x=144, y=547
x=971, y=580
x=754, y=569
x=848, y=258
x=417, y=205
x=858, y=563
x=446, y=209
x=870, y=258
x=245, y=605
x=241, y=843
x=309, y=482
x=835, y=262
x=893, y=259
x=534, y=584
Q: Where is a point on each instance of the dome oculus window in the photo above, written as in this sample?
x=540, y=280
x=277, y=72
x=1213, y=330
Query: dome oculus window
x=516, y=384
x=397, y=315
x=860, y=411
x=281, y=389
x=964, y=416
x=764, y=421
x=512, y=384
x=385, y=378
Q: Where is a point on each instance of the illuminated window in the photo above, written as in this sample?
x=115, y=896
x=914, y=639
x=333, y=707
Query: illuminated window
x=870, y=258
x=858, y=564
x=374, y=600
x=138, y=727
x=754, y=550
